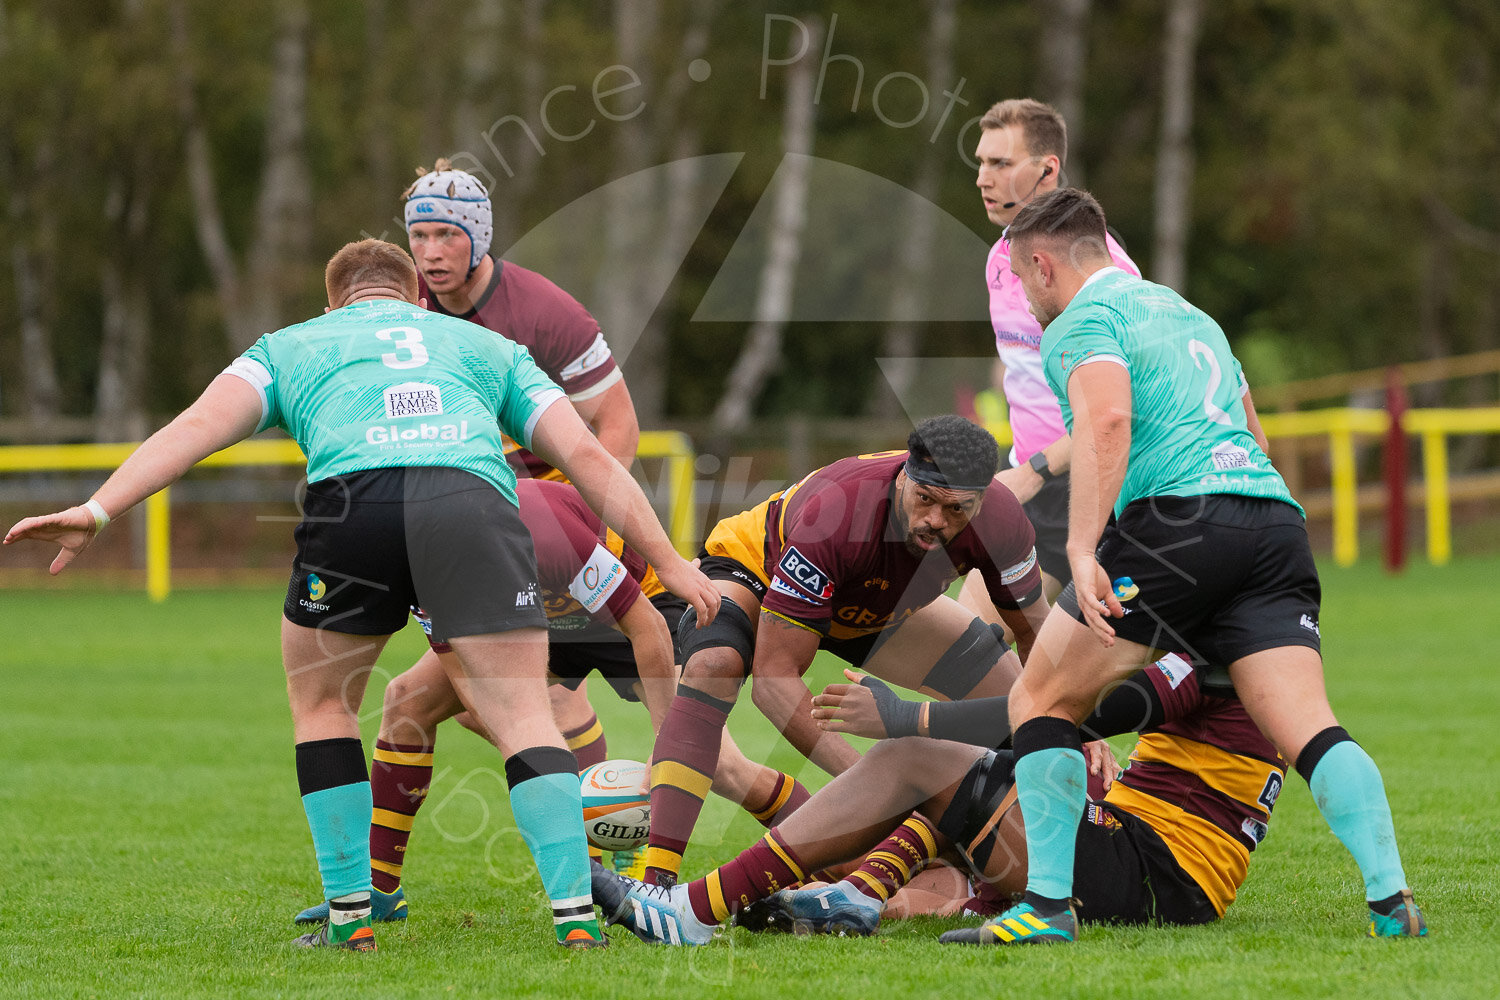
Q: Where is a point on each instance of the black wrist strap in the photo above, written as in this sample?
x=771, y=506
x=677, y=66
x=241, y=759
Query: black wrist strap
x=1039, y=464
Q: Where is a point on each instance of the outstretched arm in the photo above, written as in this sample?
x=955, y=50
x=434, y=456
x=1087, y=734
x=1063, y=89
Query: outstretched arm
x=228, y=411
x=562, y=439
x=783, y=652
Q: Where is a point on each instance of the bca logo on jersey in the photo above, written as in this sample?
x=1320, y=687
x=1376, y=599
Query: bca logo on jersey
x=1271, y=792
x=806, y=576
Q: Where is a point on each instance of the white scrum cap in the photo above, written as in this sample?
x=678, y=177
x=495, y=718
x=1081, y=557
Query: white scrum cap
x=457, y=198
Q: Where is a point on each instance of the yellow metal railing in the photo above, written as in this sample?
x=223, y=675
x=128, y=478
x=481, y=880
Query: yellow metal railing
x=1340, y=426
x=672, y=446
x=1434, y=426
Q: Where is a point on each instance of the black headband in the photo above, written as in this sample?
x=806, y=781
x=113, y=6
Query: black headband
x=926, y=472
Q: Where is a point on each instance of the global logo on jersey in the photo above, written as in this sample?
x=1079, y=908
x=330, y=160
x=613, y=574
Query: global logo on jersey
x=394, y=435
x=804, y=574
x=413, y=399
x=1125, y=588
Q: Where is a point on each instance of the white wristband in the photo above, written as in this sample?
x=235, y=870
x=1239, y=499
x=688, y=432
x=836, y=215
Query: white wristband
x=101, y=518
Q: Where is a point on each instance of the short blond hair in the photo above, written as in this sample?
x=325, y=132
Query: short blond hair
x=1041, y=125
x=366, y=264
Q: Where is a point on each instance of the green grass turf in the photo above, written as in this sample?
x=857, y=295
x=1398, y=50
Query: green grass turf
x=154, y=844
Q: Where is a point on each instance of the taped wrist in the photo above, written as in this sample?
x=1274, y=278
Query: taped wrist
x=898, y=715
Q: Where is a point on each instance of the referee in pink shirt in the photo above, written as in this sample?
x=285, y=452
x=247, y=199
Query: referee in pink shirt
x=1022, y=147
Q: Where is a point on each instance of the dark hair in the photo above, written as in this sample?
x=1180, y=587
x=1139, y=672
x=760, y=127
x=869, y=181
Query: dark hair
x=964, y=453
x=364, y=263
x=1068, y=216
x=1042, y=126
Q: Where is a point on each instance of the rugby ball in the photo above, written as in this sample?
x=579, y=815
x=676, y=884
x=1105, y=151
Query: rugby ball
x=617, y=804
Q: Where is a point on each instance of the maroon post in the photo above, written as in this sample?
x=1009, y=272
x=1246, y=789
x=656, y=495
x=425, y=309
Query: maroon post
x=1396, y=404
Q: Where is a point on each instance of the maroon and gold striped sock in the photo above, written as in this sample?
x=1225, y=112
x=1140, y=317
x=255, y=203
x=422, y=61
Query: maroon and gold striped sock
x=766, y=867
x=588, y=743
x=784, y=799
x=399, y=781
x=682, y=769
x=896, y=859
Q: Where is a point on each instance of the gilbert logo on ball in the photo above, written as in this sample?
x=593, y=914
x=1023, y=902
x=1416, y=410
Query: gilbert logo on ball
x=617, y=804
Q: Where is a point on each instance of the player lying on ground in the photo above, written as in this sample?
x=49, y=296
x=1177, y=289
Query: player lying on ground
x=853, y=559
x=1169, y=842
x=409, y=501
x=593, y=588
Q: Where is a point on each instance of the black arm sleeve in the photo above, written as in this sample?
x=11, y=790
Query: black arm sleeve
x=984, y=722
x=1129, y=707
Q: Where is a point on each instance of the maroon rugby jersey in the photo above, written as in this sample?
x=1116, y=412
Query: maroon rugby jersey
x=836, y=559
x=589, y=578
x=1205, y=780
x=562, y=337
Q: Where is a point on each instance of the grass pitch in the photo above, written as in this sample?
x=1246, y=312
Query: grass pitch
x=155, y=844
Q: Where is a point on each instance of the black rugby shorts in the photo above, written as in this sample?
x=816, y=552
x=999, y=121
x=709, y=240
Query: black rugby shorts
x=1214, y=578
x=373, y=544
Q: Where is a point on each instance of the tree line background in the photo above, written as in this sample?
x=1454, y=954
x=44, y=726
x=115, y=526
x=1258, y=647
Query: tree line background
x=1322, y=176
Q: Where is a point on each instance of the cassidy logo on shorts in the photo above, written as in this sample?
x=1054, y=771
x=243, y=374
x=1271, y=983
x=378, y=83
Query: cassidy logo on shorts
x=413, y=399
x=1125, y=588
x=316, y=590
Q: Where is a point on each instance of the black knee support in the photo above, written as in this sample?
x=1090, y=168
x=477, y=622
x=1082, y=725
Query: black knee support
x=965, y=663
x=978, y=798
x=730, y=629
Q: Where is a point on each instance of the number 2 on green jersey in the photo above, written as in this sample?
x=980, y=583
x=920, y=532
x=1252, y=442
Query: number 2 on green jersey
x=1200, y=351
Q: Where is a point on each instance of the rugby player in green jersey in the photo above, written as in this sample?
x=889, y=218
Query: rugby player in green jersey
x=1208, y=556
x=410, y=501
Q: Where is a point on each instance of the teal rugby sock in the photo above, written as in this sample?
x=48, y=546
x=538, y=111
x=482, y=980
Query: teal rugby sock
x=548, y=807
x=1349, y=792
x=1051, y=779
x=335, y=788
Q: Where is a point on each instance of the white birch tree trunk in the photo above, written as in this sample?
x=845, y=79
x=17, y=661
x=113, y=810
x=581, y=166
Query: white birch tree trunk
x=1064, y=69
x=761, y=354
x=252, y=297
x=900, y=344
x=119, y=397
x=1174, y=160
